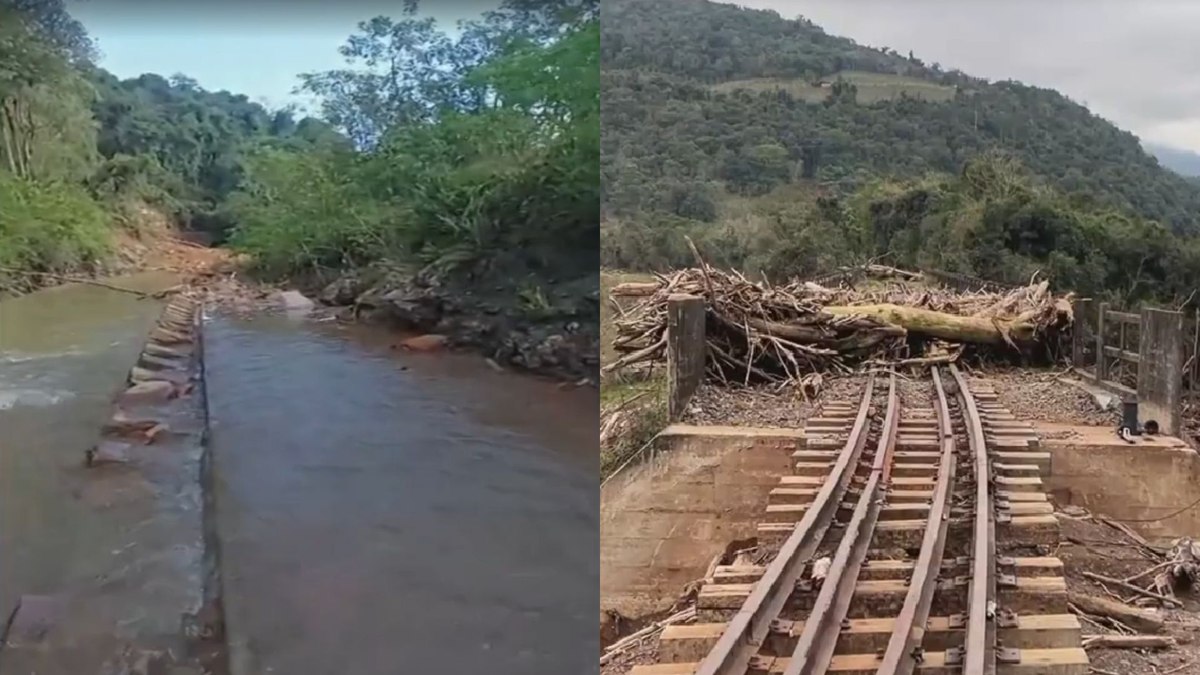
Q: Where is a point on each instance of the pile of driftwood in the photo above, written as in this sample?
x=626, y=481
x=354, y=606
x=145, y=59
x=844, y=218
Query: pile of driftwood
x=781, y=333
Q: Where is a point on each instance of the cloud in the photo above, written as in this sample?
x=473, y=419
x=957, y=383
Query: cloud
x=1130, y=62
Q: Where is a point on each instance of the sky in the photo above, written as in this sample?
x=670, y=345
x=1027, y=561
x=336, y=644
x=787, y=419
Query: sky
x=252, y=47
x=1132, y=62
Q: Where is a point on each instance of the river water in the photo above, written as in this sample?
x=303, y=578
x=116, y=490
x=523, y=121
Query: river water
x=379, y=512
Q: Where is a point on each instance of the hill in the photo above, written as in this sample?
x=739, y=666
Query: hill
x=703, y=101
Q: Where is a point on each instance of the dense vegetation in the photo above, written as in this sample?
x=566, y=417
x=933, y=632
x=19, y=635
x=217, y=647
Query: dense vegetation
x=428, y=147
x=462, y=148
x=754, y=134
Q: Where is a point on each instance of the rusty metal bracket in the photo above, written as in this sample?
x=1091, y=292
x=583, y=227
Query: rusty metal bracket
x=759, y=663
x=958, y=621
x=1006, y=580
x=1003, y=517
x=1006, y=618
x=1009, y=655
x=954, y=656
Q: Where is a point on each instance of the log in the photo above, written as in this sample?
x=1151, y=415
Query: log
x=950, y=327
x=1129, y=641
x=634, y=289
x=1134, y=617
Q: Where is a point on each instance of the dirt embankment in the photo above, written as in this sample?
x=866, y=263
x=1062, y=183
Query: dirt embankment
x=519, y=318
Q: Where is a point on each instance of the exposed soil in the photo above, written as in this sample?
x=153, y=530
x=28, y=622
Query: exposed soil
x=1092, y=546
x=645, y=653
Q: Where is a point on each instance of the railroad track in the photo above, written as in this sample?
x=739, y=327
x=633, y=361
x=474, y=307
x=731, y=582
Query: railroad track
x=886, y=553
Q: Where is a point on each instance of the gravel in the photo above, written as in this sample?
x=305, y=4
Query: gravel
x=1044, y=396
x=766, y=406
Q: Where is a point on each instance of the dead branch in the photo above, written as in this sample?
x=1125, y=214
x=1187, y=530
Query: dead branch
x=1131, y=588
x=1128, y=641
x=780, y=333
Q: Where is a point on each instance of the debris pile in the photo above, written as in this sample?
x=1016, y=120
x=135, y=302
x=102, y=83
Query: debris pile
x=764, y=333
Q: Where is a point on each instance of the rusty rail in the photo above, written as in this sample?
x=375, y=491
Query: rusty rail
x=748, y=629
x=979, y=647
x=820, y=634
x=903, y=652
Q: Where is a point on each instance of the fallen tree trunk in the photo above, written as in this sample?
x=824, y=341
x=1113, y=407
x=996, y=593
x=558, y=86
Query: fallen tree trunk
x=1134, y=617
x=634, y=289
x=950, y=327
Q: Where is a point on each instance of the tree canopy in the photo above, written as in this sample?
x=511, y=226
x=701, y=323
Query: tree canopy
x=426, y=145
x=790, y=150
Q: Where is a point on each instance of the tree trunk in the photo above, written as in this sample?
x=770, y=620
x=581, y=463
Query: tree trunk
x=1134, y=617
x=950, y=327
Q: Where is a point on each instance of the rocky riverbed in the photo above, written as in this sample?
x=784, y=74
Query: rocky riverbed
x=519, y=320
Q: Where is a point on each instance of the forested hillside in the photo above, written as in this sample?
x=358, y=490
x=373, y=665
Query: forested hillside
x=463, y=147
x=745, y=128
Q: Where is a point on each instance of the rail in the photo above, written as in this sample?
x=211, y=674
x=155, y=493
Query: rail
x=747, y=630
x=979, y=647
x=820, y=634
x=903, y=651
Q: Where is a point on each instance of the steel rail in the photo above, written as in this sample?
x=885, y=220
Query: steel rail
x=818, y=639
x=979, y=647
x=903, y=651
x=746, y=632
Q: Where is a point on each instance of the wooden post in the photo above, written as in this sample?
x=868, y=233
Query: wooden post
x=1192, y=381
x=1082, y=309
x=1101, y=362
x=685, y=351
x=1160, y=369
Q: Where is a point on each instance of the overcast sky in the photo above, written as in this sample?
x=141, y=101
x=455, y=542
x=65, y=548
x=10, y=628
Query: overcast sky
x=1133, y=62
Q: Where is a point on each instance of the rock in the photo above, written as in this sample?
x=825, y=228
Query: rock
x=33, y=619
x=424, y=343
x=294, y=301
x=413, y=311
x=164, y=352
x=341, y=292
x=153, y=391
x=151, y=435
x=108, y=452
x=123, y=425
x=138, y=374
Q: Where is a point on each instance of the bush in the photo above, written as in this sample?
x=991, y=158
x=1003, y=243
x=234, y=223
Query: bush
x=50, y=227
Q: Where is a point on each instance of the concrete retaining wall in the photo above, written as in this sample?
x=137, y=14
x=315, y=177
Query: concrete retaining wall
x=1146, y=481
x=663, y=519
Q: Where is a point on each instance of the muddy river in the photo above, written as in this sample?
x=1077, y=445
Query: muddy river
x=379, y=512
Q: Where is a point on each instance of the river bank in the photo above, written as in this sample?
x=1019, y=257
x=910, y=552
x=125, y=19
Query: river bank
x=517, y=318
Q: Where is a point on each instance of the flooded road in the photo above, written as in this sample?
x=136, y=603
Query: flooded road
x=63, y=353
x=385, y=513
x=378, y=512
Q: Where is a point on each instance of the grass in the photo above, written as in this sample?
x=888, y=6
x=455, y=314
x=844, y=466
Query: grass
x=872, y=87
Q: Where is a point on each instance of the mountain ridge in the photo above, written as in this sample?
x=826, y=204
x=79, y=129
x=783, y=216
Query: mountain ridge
x=676, y=136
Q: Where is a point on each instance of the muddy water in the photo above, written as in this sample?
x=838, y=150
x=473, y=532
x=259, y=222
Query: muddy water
x=385, y=513
x=63, y=353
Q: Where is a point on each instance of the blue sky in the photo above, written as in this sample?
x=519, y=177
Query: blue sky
x=253, y=48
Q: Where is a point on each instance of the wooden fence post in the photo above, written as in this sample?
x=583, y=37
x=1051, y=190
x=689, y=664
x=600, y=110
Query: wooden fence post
x=686, y=351
x=1101, y=362
x=1082, y=309
x=1160, y=369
